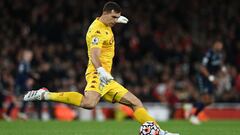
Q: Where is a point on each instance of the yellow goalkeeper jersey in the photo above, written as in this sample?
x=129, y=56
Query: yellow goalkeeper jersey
x=100, y=36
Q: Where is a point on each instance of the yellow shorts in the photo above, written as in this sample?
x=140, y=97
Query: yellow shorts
x=112, y=92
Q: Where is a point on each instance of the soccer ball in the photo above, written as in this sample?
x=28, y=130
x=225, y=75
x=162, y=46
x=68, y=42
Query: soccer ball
x=149, y=128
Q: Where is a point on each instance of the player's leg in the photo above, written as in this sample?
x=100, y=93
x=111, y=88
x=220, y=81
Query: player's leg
x=140, y=113
x=118, y=93
x=205, y=89
x=198, y=104
x=88, y=101
x=92, y=92
x=73, y=98
x=205, y=100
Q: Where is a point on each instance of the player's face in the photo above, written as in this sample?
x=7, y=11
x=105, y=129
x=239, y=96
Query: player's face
x=112, y=18
x=218, y=46
x=27, y=55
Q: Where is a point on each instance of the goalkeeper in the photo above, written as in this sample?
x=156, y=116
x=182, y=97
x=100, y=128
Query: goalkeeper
x=100, y=83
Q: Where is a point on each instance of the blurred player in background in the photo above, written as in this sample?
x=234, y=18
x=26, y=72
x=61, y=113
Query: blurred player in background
x=22, y=83
x=208, y=78
x=100, y=83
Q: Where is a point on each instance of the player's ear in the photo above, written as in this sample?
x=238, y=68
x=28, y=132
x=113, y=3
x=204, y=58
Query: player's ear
x=112, y=11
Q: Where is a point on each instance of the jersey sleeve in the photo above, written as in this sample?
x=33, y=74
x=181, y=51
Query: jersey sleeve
x=96, y=39
x=206, y=58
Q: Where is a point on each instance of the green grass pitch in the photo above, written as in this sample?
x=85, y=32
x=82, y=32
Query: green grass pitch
x=114, y=128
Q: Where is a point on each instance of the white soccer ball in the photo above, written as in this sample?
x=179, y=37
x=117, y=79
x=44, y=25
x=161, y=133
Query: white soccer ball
x=149, y=128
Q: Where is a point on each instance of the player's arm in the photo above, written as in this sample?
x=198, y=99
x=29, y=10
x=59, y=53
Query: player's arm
x=204, y=71
x=105, y=77
x=95, y=48
x=95, y=53
x=203, y=68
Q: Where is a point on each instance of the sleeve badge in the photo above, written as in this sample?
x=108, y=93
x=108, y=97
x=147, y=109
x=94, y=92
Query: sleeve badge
x=95, y=40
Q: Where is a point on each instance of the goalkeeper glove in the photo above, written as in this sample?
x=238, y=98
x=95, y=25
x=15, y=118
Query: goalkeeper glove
x=105, y=77
x=122, y=19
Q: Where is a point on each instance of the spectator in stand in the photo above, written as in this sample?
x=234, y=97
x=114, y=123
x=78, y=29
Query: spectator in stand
x=237, y=86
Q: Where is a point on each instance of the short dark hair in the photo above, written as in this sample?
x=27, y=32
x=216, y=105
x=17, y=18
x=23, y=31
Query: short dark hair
x=109, y=6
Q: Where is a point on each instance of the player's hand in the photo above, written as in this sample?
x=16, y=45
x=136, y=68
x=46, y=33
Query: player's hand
x=105, y=77
x=122, y=19
x=213, y=79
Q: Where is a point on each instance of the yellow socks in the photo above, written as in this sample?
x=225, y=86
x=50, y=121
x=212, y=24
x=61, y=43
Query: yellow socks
x=141, y=115
x=73, y=98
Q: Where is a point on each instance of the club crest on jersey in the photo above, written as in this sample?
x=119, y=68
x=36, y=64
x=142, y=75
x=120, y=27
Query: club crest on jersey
x=95, y=40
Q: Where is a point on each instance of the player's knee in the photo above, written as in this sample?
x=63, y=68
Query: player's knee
x=88, y=104
x=136, y=103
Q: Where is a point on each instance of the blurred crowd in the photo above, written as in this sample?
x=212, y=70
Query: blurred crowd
x=157, y=52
